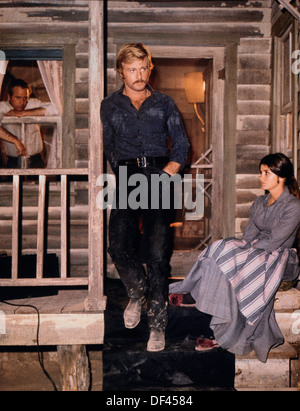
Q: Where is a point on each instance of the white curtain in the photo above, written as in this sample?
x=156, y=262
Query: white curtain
x=51, y=72
x=3, y=65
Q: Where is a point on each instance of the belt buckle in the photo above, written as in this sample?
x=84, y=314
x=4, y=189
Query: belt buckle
x=141, y=162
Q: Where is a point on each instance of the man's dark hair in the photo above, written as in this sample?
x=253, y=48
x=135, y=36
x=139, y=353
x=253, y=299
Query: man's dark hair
x=17, y=83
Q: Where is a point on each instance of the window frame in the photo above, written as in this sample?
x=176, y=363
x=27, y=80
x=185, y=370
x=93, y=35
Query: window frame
x=67, y=43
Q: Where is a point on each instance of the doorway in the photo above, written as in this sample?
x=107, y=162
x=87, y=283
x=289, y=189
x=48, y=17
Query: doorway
x=168, y=77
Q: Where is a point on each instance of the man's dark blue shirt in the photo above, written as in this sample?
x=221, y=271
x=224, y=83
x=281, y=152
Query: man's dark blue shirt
x=155, y=130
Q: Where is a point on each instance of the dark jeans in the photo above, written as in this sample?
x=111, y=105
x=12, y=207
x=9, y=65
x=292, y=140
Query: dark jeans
x=124, y=236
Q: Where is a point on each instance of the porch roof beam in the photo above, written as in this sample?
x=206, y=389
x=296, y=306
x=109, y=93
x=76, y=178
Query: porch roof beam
x=291, y=9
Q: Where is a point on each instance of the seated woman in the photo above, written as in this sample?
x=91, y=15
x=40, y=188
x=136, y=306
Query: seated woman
x=235, y=280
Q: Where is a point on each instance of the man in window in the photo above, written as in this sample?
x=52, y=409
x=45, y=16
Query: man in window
x=19, y=104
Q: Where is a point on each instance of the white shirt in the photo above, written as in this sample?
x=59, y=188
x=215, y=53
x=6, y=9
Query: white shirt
x=33, y=139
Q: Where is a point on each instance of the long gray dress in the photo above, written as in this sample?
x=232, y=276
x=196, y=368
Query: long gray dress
x=235, y=280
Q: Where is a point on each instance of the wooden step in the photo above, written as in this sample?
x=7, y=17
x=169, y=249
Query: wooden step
x=287, y=301
x=274, y=374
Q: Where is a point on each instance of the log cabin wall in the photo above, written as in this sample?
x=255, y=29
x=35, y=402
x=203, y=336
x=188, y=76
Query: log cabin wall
x=187, y=24
x=246, y=25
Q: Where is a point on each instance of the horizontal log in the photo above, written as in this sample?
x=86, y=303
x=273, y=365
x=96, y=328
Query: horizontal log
x=254, y=107
x=253, y=137
x=250, y=61
x=184, y=15
x=257, y=122
x=242, y=30
x=82, y=136
x=240, y=225
x=244, y=165
x=242, y=211
x=248, y=181
x=82, y=75
x=254, y=76
x=255, y=46
x=81, y=121
x=254, y=92
x=246, y=196
x=62, y=329
x=252, y=152
x=82, y=105
x=34, y=3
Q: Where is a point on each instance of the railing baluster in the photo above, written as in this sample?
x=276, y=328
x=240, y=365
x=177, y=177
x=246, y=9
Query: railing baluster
x=15, y=227
x=41, y=227
x=64, y=227
x=16, y=246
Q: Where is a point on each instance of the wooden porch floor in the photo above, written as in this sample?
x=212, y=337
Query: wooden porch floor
x=62, y=320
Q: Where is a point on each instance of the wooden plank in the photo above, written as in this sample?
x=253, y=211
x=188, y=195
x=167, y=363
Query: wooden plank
x=74, y=303
x=41, y=227
x=62, y=329
x=44, y=171
x=65, y=301
x=184, y=15
x=68, y=126
x=15, y=226
x=230, y=138
x=95, y=300
x=64, y=226
x=32, y=282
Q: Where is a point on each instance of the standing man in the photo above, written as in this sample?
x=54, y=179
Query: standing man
x=19, y=104
x=139, y=126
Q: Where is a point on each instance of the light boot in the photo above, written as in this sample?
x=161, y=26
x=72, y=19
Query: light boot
x=132, y=313
x=157, y=340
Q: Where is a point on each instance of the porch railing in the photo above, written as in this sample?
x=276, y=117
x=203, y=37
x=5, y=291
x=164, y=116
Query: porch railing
x=95, y=299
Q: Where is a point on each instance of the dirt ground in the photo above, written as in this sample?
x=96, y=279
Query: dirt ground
x=20, y=370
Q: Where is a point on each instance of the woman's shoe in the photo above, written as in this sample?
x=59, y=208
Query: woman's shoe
x=205, y=344
x=182, y=300
x=157, y=341
x=132, y=313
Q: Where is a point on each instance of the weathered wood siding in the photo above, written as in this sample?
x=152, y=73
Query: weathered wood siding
x=253, y=121
x=179, y=24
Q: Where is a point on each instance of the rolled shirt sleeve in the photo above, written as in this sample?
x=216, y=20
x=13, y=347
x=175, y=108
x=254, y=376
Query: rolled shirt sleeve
x=51, y=109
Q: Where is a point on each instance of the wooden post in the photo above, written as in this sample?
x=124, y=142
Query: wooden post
x=74, y=366
x=41, y=227
x=15, y=227
x=95, y=300
x=64, y=227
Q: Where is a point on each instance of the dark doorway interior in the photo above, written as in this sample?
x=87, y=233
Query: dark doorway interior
x=168, y=77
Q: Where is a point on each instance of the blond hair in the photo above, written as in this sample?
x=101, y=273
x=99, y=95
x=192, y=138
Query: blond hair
x=131, y=52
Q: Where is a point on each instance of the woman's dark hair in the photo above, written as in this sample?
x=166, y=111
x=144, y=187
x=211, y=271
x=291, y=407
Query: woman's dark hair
x=281, y=165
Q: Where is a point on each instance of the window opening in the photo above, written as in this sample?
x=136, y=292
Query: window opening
x=34, y=66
